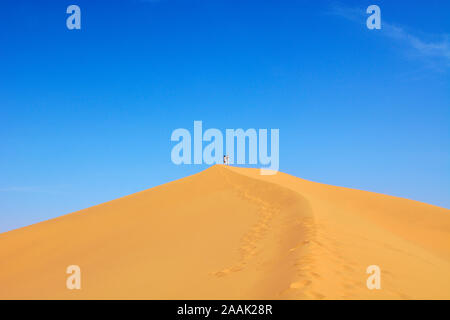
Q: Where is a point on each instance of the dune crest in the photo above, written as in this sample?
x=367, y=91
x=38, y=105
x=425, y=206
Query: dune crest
x=230, y=233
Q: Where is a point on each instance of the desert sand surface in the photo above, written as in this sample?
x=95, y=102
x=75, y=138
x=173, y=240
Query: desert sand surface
x=231, y=233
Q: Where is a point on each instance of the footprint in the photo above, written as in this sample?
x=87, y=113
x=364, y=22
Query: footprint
x=300, y=284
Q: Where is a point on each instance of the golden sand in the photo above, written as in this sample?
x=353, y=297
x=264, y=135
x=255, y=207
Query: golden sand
x=230, y=233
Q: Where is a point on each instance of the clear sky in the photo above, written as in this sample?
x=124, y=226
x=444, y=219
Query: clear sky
x=86, y=115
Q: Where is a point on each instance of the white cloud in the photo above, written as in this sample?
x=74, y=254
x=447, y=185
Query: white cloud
x=28, y=189
x=433, y=49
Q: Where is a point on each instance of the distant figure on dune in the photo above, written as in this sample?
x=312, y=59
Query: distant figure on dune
x=226, y=159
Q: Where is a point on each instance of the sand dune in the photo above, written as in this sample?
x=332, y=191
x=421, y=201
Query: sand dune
x=230, y=233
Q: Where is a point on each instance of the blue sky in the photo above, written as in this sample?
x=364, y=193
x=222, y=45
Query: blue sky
x=86, y=115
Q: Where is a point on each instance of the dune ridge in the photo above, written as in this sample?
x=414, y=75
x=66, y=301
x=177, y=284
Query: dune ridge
x=230, y=233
